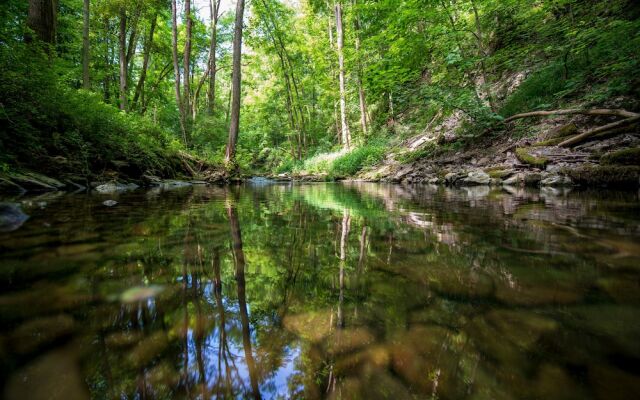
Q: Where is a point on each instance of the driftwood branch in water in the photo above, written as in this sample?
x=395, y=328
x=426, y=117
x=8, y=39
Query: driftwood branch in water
x=595, y=111
x=606, y=128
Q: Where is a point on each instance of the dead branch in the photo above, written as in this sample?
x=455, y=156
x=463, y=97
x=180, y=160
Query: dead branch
x=606, y=128
x=595, y=111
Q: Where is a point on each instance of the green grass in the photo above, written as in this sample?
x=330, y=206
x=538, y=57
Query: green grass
x=357, y=159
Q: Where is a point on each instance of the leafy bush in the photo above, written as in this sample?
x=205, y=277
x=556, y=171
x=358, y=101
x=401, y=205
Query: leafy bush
x=41, y=119
x=357, y=159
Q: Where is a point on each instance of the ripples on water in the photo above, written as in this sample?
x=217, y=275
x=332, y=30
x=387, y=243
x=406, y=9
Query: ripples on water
x=313, y=291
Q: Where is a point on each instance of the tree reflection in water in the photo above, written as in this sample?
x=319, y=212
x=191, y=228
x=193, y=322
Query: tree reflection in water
x=313, y=291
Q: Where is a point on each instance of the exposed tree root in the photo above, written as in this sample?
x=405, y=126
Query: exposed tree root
x=630, y=119
x=595, y=111
x=603, y=129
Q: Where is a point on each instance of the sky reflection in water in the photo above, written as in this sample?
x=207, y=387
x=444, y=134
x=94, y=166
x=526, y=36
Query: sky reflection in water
x=325, y=290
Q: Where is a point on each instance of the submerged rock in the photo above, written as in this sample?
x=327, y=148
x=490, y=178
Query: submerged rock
x=148, y=349
x=109, y=203
x=11, y=217
x=312, y=326
x=56, y=375
x=39, y=332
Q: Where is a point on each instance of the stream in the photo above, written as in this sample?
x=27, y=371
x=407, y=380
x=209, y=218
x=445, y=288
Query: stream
x=338, y=290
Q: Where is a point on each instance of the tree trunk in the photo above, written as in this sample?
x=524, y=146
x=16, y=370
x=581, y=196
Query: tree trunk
x=214, y=6
x=361, y=96
x=236, y=80
x=145, y=60
x=346, y=134
x=186, y=97
x=483, y=54
x=42, y=20
x=133, y=35
x=176, y=67
x=240, y=265
x=122, y=36
x=107, y=60
x=85, y=46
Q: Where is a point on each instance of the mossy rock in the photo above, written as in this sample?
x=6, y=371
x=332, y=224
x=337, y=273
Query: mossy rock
x=524, y=156
x=622, y=157
x=498, y=173
x=606, y=175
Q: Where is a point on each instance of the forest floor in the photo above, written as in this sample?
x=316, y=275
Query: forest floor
x=534, y=160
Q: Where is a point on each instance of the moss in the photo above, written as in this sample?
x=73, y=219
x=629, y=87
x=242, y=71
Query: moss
x=607, y=175
x=524, y=156
x=497, y=172
x=622, y=157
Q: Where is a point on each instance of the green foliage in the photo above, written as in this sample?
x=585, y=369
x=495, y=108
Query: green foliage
x=599, y=63
x=622, y=157
x=42, y=119
x=357, y=159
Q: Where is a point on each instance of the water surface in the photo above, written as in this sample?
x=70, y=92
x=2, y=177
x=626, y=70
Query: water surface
x=323, y=291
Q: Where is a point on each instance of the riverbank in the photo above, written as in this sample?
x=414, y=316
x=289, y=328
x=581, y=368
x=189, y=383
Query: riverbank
x=527, y=152
x=186, y=170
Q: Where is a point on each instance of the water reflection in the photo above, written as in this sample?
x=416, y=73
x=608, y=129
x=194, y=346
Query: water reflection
x=323, y=291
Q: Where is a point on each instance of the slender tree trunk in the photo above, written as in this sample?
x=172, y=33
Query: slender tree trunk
x=236, y=80
x=122, y=36
x=85, y=46
x=133, y=36
x=214, y=6
x=145, y=60
x=42, y=20
x=107, y=61
x=176, y=67
x=186, y=97
x=361, y=96
x=346, y=134
x=483, y=54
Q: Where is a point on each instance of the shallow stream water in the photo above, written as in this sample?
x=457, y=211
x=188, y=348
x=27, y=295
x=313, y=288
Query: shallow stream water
x=323, y=291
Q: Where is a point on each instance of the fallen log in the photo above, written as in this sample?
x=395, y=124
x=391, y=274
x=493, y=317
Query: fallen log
x=594, y=111
x=573, y=140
